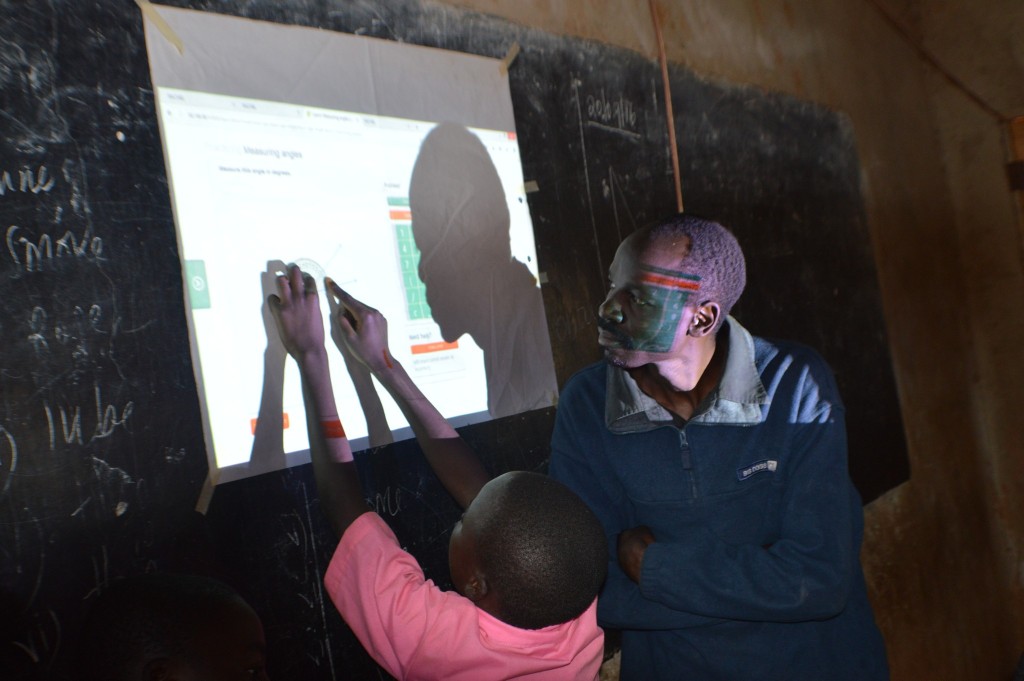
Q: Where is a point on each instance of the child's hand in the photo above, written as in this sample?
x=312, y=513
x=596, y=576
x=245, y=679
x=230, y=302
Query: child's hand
x=359, y=329
x=296, y=310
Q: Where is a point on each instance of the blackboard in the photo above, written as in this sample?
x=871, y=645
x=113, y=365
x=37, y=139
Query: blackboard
x=101, y=451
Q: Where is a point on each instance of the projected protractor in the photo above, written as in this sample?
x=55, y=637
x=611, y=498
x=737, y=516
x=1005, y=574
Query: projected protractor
x=313, y=269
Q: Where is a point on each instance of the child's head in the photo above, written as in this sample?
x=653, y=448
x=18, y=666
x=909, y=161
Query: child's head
x=528, y=551
x=173, y=627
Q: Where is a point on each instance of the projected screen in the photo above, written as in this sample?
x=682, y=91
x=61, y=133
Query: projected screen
x=392, y=168
x=259, y=184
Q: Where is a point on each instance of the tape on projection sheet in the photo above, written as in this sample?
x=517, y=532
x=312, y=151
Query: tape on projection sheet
x=510, y=56
x=531, y=186
x=206, y=493
x=149, y=12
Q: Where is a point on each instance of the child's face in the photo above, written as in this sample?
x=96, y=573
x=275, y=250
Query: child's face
x=229, y=645
x=463, y=558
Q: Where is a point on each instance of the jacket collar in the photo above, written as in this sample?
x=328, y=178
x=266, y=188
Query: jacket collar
x=736, y=401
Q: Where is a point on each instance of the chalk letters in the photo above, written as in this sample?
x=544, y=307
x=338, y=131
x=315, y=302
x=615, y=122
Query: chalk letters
x=28, y=181
x=32, y=254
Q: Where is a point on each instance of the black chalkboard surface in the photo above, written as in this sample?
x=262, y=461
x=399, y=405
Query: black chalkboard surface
x=101, y=449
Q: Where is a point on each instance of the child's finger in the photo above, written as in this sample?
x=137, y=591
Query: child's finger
x=301, y=283
x=309, y=283
x=346, y=323
x=350, y=308
x=332, y=300
x=283, y=286
x=345, y=298
x=295, y=277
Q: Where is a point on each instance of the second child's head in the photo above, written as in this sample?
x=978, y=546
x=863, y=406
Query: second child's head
x=171, y=627
x=528, y=551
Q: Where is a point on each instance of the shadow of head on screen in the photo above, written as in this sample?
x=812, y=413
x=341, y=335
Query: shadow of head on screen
x=460, y=222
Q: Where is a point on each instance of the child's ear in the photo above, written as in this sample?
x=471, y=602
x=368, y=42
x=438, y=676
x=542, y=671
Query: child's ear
x=476, y=588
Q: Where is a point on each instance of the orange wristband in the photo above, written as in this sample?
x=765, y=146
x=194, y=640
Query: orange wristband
x=332, y=429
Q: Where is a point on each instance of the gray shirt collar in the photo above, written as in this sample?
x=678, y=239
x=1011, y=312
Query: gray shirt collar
x=737, y=400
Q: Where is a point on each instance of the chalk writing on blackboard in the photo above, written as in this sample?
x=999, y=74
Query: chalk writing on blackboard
x=108, y=419
x=300, y=560
x=388, y=502
x=615, y=114
x=8, y=459
x=30, y=250
x=43, y=640
x=26, y=181
x=76, y=327
x=568, y=324
x=31, y=254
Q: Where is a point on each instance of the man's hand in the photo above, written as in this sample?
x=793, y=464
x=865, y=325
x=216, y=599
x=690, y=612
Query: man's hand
x=631, y=547
x=359, y=329
x=296, y=309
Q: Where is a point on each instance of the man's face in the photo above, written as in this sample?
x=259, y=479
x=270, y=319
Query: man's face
x=646, y=313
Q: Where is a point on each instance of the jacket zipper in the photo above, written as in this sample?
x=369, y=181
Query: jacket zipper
x=687, y=459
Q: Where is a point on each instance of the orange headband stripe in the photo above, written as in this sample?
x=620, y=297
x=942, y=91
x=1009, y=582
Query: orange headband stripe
x=670, y=282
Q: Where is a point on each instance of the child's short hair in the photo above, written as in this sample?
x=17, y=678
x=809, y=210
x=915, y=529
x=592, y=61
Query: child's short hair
x=543, y=551
x=146, y=616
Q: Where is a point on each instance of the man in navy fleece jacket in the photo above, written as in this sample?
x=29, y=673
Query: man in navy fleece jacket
x=716, y=462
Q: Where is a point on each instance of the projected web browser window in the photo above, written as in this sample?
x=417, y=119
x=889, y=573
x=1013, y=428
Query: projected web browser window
x=291, y=144
x=257, y=181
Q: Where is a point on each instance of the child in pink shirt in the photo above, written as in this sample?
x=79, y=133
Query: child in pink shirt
x=527, y=558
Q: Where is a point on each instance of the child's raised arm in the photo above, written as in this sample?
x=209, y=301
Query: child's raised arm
x=364, y=331
x=296, y=309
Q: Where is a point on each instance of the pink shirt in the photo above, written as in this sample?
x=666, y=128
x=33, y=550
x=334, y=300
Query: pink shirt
x=417, y=631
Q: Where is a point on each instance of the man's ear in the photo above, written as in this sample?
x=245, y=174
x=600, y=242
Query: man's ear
x=705, y=319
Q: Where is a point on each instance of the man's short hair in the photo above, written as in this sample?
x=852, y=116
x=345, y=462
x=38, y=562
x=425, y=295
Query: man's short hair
x=715, y=256
x=543, y=551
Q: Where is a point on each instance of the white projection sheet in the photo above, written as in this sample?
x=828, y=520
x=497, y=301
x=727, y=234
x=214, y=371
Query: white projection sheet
x=285, y=145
